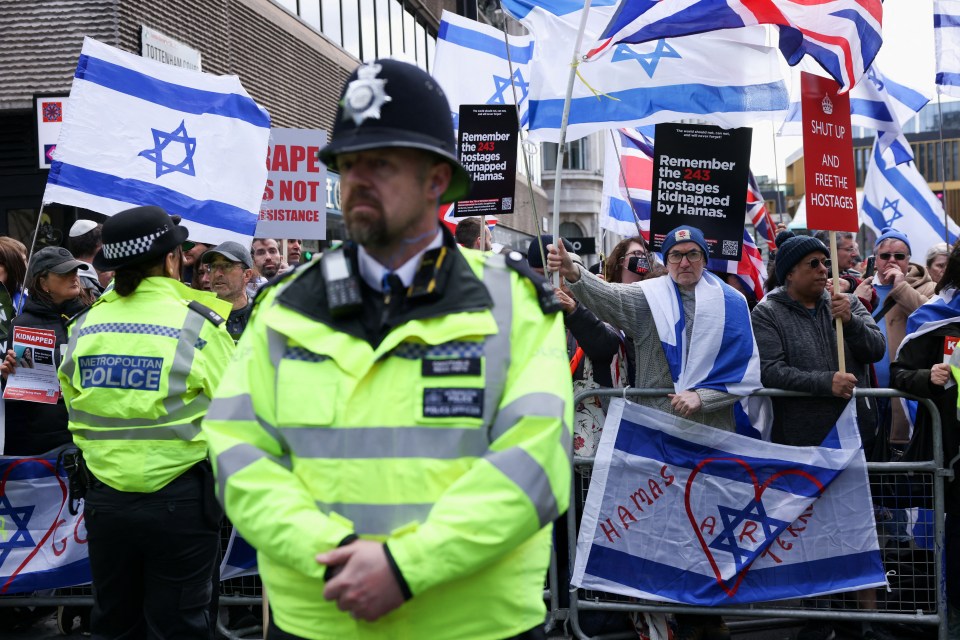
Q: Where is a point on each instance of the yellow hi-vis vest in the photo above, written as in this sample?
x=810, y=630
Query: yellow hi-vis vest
x=450, y=440
x=137, y=379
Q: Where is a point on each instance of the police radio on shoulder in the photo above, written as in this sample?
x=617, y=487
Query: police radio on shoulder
x=343, y=288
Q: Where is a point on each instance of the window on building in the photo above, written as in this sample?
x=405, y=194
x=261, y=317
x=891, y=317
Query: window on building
x=431, y=50
x=421, y=39
x=396, y=27
x=310, y=13
x=331, y=20
x=409, y=33
x=576, y=156
x=570, y=230
x=289, y=5
x=368, y=31
x=383, y=28
x=351, y=26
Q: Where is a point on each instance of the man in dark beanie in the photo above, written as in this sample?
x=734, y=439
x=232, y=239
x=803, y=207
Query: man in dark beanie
x=795, y=330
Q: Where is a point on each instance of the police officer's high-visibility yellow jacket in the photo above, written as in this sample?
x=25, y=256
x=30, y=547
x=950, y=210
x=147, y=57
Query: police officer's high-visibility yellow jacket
x=137, y=378
x=447, y=436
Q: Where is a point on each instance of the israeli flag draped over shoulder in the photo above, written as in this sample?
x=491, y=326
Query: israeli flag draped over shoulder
x=679, y=512
x=664, y=81
x=725, y=357
x=139, y=132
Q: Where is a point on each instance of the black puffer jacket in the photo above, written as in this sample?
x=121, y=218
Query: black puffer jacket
x=34, y=428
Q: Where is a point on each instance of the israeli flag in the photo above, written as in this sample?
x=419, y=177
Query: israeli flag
x=877, y=102
x=722, y=352
x=473, y=66
x=139, y=132
x=897, y=196
x=668, y=80
x=42, y=546
x=946, y=30
x=681, y=512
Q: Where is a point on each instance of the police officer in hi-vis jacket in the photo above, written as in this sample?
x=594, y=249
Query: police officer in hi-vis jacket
x=393, y=435
x=140, y=368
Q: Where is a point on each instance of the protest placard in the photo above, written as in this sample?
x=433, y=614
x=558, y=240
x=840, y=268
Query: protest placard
x=830, y=176
x=295, y=196
x=488, y=151
x=700, y=176
x=35, y=378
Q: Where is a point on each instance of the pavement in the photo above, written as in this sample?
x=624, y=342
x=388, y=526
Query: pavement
x=45, y=628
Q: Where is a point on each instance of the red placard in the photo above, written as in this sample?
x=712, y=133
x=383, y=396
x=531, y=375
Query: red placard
x=830, y=175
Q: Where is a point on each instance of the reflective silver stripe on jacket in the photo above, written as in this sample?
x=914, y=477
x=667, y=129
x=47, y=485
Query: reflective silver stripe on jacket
x=185, y=417
x=496, y=277
x=438, y=443
x=239, y=457
x=378, y=519
x=239, y=408
x=526, y=473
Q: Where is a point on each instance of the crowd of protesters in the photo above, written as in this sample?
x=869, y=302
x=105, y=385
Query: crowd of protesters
x=612, y=339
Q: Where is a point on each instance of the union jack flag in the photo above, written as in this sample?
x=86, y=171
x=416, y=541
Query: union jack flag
x=750, y=269
x=446, y=213
x=758, y=214
x=627, y=183
x=843, y=36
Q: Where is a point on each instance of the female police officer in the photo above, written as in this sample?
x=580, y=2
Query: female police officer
x=140, y=368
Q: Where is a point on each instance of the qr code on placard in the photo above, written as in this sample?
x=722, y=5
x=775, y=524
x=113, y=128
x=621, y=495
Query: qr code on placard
x=506, y=203
x=729, y=248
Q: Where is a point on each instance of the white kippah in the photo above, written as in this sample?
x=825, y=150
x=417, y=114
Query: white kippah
x=81, y=227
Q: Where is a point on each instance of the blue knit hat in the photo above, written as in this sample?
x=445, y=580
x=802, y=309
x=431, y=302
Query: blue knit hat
x=792, y=251
x=889, y=233
x=684, y=234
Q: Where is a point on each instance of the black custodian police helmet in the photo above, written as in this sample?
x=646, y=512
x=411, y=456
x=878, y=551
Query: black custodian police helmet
x=388, y=103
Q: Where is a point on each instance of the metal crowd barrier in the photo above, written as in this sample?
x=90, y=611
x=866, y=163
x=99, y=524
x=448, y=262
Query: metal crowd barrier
x=917, y=596
x=917, y=593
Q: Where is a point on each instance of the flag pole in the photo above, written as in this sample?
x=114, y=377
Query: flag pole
x=943, y=173
x=835, y=268
x=524, y=151
x=563, y=128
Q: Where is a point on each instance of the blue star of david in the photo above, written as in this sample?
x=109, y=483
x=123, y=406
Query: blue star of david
x=733, y=518
x=161, y=140
x=21, y=538
x=502, y=84
x=893, y=206
x=648, y=61
x=875, y=79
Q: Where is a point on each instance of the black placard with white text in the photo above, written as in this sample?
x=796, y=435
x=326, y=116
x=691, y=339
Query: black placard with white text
x=700, y=176
x=487, y=143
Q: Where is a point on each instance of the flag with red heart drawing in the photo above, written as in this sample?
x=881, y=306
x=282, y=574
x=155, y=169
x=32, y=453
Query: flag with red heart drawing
x=681, y=512
x=42, y=545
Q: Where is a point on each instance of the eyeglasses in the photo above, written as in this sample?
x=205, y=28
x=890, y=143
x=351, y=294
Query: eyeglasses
x=675, y=257
x=222, y=266
x=887, y=256
x=816, y=262
x=633, y=254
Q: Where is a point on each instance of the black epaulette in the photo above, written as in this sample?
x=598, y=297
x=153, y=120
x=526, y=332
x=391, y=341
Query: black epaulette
x=78, y=315
x=208, y=313
x=548, y=301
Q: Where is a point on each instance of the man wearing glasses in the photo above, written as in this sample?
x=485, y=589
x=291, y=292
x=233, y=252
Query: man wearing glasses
x=795, y=329
x=901, y=286
x=639, y=309
x=231, y=269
